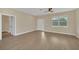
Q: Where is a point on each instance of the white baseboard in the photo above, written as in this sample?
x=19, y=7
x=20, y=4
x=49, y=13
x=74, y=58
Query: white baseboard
x=46, y=31
x=24, y=32
x=61, y=33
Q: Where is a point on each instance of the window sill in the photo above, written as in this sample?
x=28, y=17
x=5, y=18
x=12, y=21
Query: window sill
x=60, y=26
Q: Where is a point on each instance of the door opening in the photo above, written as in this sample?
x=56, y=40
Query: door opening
x=8, y=26
x=40, y=24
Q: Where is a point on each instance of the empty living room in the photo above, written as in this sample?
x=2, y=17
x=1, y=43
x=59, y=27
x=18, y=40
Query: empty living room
x=39, y=29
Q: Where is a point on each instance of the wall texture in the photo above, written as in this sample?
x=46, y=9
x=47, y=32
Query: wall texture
x=71, y=29
x=77, y=23
x=5, y=23
x=24, y=22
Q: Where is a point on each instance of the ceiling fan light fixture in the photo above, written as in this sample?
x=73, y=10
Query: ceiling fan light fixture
x=49, y=12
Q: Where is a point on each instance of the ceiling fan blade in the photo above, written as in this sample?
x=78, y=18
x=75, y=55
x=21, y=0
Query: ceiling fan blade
x=49, y=9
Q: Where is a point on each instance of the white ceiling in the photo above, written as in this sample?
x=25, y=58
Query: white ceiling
x=38, y=12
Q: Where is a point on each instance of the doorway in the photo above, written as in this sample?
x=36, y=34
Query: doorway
x=40, y=24
x=7, y=26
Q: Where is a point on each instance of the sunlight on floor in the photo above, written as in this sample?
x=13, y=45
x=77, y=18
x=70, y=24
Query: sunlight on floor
x=43, y=36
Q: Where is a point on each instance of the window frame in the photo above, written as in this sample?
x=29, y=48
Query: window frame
x=59, y=21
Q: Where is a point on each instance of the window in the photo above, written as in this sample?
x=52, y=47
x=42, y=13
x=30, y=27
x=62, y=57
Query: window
x=60, y=21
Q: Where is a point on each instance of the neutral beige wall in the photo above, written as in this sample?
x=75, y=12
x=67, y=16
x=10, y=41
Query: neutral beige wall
x=71, y=29
x=5, y=23
x=24, y=22
x=77, y=23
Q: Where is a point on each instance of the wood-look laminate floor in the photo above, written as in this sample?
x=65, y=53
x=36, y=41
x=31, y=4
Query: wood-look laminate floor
x=39, y=40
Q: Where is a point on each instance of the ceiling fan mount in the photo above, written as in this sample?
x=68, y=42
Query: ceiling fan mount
x=49, y=10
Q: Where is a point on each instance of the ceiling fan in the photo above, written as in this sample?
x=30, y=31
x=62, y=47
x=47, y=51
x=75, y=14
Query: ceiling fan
x=49, y=10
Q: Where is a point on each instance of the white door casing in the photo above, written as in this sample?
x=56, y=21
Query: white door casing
x=12, y=25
